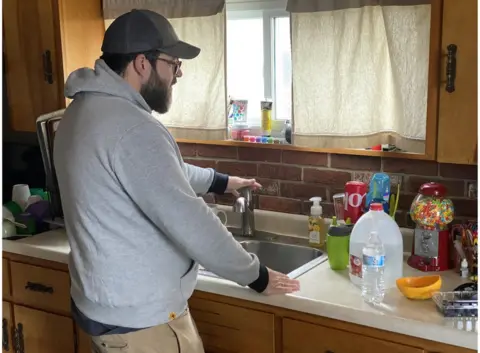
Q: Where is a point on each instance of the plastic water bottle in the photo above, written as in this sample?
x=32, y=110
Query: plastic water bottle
x=373, y=267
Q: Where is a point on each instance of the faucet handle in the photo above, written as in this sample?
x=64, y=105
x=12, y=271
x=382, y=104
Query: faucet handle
x=246, y=192
x=251, y=198
x=240, y=205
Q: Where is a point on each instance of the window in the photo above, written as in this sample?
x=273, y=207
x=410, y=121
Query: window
x=259, y=60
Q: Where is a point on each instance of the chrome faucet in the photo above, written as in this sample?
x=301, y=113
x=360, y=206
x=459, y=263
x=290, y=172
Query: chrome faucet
x=245, y=204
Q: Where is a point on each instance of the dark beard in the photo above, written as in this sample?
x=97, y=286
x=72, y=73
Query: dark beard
x=156, y=93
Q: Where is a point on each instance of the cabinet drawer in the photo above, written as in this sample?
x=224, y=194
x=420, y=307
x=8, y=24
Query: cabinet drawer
x=221, y=324
x=6, y=289
x=40, y=287
x=302, y=337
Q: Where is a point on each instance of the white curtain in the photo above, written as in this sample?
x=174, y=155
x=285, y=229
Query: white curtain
x=199, y=106
x=168, y=8
x=360, y=76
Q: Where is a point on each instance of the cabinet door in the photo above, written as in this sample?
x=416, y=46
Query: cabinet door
x=42, y=332
x=226, y=328
x=7, y=327
x=457, y=125
x=84, y=342
x=30, y=58
x=302, y=337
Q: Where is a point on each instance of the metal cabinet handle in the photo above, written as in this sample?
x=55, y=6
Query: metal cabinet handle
x=19, y=343
x=47, y=67
x=451, y=67
x=5, y=343
x=38, y=287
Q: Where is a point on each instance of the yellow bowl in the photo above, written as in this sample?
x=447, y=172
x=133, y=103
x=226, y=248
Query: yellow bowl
x=419, y=287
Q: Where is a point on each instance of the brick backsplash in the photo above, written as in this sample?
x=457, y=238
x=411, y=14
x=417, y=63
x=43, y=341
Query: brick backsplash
x=290, y=178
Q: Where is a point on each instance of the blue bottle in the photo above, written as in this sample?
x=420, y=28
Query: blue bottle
x=379, y=191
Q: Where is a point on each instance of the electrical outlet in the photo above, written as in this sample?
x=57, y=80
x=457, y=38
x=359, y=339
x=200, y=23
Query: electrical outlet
x=472, y=190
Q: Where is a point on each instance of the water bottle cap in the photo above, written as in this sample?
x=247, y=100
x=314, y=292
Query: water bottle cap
x=376, y=206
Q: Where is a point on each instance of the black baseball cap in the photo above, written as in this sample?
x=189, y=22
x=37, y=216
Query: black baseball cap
x=140, y=31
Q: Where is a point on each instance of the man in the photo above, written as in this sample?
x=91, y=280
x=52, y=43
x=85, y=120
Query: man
x=136, y=224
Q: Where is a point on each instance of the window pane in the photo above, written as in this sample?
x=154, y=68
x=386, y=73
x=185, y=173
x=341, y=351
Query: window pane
x=283, y=69
x=245, y=62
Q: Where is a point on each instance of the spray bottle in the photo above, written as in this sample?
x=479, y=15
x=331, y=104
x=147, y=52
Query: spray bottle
x=316, y=225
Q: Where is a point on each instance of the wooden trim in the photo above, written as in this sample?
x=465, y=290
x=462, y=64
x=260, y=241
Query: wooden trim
x=14, y=301
x=336, y=324
x=6, y=280
x=61, y=55
x=35, y=262
x=435, y=58
x=308, y=149
x=278, y=337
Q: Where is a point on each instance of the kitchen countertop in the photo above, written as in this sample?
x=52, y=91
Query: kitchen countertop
x=323, y=292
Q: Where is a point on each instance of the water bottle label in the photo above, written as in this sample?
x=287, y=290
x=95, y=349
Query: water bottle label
x=374, y=261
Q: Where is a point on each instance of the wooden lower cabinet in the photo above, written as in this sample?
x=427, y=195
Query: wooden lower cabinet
x=84, y=342
x=231, y=329
x=37, y=315
x=42, y=332
x=302, y=337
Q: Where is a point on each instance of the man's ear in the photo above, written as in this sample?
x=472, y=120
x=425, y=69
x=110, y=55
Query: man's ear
x=142, y=67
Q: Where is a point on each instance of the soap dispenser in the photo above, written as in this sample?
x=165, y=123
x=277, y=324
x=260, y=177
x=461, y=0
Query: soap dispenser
x=316, y=225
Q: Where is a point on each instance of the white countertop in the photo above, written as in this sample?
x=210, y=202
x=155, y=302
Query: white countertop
x=323, y=292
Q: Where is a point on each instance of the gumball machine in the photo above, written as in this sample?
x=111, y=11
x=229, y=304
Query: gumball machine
x=432, y=245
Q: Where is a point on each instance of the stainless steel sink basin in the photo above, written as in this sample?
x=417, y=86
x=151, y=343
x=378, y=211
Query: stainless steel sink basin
x=284, y=258
x=293, y=260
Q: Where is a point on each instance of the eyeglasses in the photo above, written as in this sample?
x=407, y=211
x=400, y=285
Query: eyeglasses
x=177, y=64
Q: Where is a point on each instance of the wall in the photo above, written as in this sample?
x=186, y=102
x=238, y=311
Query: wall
x=290, y=178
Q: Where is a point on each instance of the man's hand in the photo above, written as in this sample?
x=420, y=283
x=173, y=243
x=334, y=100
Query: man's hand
x=235, y=183
x=278, y=283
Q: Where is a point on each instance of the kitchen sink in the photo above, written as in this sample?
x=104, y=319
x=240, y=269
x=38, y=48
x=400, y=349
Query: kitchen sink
x=292, y=260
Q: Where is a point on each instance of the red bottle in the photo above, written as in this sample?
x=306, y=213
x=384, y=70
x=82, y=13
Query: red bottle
x=355, y=192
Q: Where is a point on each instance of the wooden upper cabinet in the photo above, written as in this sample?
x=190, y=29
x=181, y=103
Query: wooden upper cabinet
x=30, y=56
x=45, y=40
x=457, y=125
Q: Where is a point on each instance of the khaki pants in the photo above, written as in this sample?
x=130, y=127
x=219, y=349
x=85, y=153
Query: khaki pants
x=177, y=336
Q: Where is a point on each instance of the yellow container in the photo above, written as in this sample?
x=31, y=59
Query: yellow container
x=419, y=287
x=266, y=117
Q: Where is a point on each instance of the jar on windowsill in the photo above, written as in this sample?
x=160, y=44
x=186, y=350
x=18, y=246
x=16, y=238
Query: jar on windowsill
x=239, y=131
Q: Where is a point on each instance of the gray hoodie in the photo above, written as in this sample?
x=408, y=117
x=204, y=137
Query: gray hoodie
x=135, y=222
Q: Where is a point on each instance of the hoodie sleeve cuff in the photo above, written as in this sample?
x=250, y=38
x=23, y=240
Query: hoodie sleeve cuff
x=260, y=284
x=219, y=183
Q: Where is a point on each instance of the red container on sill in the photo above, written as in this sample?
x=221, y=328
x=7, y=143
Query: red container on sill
x=355, y=192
